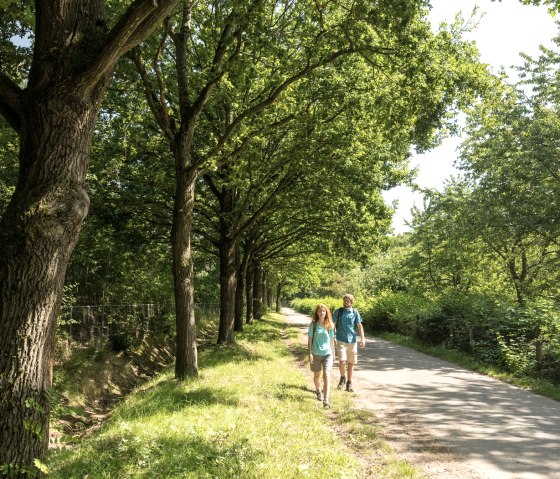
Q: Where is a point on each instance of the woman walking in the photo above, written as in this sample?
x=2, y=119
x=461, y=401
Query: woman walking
x=320, y=346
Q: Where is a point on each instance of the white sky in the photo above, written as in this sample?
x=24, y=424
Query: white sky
x=506, y=29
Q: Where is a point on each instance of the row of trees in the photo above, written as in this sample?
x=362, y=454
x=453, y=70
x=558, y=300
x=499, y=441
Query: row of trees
x=283, y=119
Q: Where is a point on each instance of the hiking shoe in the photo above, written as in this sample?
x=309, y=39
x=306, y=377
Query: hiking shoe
x=341, y=383
x=326, y=404
x=319, y=395
x=349, y=387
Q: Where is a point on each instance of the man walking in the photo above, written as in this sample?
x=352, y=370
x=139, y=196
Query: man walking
x=346, y=320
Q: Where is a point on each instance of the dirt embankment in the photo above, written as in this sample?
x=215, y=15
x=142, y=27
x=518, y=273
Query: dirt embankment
x=90, y=380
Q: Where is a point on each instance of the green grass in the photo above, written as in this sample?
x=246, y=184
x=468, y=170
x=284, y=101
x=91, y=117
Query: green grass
x=538, y=386
x=250, y=414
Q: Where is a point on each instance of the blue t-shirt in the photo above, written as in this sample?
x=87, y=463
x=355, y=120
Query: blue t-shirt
x=321, y=345
x=346, y=325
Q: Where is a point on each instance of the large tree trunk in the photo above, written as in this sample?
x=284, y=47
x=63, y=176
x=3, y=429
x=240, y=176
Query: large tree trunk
x=37, y=235
x=257, y=291
x=186, y=361
x=249, y=295
x=228, y=284
x=239, y=290
x=72, y=65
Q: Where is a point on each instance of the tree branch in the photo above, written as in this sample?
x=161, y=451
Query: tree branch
x=141, y=18
x=10, y=105
x=158, y=108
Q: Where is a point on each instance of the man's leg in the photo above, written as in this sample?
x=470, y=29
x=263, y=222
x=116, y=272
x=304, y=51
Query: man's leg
x=350, y=371
x=341, y=353
x=352, y=358
x=342, y=369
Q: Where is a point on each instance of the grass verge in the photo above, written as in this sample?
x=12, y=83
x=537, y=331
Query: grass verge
x=538, y=386
x=358, y=429
x=248, y=415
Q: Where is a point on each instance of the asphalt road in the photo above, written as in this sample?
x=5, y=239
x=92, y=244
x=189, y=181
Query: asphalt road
x=478, y=427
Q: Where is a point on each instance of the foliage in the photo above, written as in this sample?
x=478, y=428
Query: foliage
x=8, y=163
x=308, y=305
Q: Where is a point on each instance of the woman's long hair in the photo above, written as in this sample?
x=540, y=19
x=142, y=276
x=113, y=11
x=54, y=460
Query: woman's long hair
x=328, y=316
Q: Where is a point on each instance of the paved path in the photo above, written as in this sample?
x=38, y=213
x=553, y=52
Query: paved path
x=490, y=430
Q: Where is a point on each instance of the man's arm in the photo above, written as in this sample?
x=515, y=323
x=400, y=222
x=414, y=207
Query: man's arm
x=362, y=337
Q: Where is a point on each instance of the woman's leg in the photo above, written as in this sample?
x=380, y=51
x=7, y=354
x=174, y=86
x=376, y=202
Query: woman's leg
x=326, y=384
x=317, y=381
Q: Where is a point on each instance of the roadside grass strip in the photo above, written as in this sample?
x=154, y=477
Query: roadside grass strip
x=250, y=414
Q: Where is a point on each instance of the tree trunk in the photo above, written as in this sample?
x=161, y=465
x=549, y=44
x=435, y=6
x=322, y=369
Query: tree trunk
x=73, y=60
x=258, y=291
x=228, y=284
x=266, y=296
x=269, y=296
x=249, y=280
x=186, y=361
x=37, y=235
x=519, y=278
x=241, y=273
x=279, y=287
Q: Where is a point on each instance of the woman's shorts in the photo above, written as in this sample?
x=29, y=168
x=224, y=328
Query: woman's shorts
x=347, y=352
x=322, y=362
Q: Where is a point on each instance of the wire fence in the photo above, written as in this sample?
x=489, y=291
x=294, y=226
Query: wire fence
x=122, y=322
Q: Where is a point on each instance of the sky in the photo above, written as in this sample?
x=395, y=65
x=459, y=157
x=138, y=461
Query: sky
x=505, y=29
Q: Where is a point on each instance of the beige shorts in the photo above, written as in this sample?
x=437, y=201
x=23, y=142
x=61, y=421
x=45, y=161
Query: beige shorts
x=347, y=352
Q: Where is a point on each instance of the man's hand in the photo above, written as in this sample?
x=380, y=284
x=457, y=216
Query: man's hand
x=362, y=342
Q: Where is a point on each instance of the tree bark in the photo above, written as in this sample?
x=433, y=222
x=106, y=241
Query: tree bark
x=228, y=285
x=258, y=291
x=249, y=280
x=38, y=233
x=72, y=65
x=186, y=360
x=241, y=273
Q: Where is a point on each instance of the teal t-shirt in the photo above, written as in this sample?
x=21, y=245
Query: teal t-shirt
x=346, y=325
x=321, y=345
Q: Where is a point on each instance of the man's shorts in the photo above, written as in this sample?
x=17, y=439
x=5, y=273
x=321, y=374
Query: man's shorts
x=322, y=362
x=347, y=352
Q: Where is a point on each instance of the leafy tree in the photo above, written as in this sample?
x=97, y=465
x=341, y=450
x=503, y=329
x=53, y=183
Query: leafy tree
x=446, y=252
x=514, y=200
x=51, y=100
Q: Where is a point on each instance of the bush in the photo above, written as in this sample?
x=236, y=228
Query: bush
x=308, y=305
x=398, y=312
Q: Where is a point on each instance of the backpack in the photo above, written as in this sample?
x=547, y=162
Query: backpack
x=338, y=312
